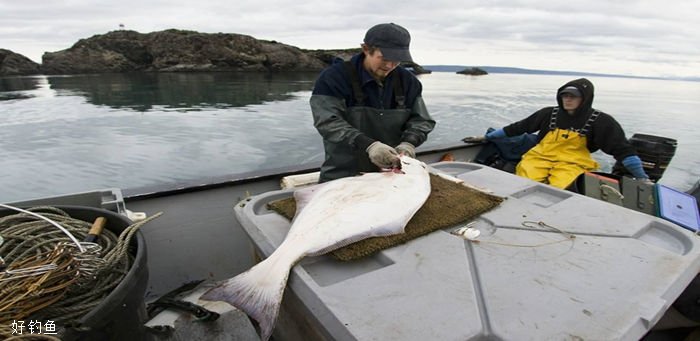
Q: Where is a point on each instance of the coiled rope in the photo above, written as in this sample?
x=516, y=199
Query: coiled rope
x=48, y=277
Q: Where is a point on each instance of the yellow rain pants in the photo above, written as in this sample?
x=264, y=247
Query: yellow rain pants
x=558, y=159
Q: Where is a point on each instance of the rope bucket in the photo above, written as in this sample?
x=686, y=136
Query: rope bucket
x=114, y=307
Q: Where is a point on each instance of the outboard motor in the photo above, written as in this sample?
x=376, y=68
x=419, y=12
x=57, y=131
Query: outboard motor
x=655, y=151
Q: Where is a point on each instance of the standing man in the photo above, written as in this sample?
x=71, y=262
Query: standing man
x=368, y=109
x=568, y=134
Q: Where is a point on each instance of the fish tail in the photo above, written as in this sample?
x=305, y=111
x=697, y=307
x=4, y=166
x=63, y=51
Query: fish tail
x=257, y=292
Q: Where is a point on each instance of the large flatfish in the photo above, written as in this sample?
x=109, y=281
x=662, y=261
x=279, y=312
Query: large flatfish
x=329, y=216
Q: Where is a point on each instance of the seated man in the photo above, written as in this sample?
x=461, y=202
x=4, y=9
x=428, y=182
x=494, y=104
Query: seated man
x=568, y=134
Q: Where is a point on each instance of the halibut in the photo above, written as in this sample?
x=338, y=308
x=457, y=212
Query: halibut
x=328, y=216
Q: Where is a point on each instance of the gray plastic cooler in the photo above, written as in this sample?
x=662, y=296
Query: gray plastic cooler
x=614, y=280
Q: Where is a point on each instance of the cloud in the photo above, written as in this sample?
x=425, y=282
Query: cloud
x=650, y=38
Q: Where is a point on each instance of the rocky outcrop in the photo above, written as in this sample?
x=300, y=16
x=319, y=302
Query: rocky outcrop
x=328, y=56
x=177, y=50
x=417, y=69
x=473, y=71
x=12, y=64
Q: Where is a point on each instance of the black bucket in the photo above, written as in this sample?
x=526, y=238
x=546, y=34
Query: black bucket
x=121, y=314
x=656, y=153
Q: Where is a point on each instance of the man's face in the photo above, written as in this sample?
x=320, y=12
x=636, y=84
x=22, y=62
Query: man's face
x=376, y=65
x=570, y=102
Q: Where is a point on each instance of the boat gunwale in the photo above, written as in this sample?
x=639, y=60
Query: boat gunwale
x=156, y=191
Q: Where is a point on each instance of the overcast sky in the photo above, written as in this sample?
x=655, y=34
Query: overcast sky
x=643, y=38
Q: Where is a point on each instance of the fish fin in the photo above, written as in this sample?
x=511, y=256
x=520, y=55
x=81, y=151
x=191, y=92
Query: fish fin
x=388, y=230
x=449, y=177
x=257, y=292
x=335, y=246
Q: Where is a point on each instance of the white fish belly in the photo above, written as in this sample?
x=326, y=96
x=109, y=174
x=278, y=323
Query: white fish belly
x=347, y=210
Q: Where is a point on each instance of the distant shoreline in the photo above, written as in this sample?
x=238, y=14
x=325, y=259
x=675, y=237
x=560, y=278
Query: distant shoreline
x=501, y=69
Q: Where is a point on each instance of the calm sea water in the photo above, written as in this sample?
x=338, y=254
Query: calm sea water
x=80, y=133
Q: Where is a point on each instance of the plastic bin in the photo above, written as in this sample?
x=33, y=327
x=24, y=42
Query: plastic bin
x=521, y=281
x=678, y=207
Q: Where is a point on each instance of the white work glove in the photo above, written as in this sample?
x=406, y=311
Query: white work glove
x=407, y=149
x=474, y=139
x=383, y=156
x=646, y=181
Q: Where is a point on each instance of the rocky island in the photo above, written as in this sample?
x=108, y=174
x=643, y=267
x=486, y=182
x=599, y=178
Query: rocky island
x=12, y=64
x=175, y=51
x=473, y=71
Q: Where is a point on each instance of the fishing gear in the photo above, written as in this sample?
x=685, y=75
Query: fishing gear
x=49, y=272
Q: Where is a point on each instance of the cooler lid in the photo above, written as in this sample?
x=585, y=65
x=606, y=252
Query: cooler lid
x=522, y=280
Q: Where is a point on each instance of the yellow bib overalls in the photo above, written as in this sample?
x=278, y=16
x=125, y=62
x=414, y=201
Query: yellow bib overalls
x=560, y=157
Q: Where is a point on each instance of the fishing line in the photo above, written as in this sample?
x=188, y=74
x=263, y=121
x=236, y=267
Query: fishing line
x=471, y=234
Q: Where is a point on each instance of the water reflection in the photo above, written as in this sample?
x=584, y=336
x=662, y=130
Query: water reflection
x=15, y=87
x=164, y=130
x=183, y=91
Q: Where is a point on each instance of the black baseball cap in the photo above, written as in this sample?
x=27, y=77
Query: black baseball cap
x=392, y=40
x=570, y=90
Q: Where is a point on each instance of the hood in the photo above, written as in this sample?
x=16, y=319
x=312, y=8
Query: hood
x=586, y=88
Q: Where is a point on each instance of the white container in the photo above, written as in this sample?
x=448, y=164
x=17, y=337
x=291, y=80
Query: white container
x=521, y=281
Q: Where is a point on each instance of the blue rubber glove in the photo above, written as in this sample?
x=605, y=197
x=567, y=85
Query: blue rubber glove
x=634, y=165
x=496, y=134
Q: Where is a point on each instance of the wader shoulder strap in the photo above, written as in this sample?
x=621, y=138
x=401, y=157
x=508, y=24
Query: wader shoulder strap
x=360, y=96
x=398, y=91
x=553, y=119
x=589, y=122
x=355, y=80
x=582, y=131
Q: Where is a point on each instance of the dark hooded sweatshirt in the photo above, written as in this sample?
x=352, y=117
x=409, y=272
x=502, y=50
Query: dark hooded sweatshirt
x=605, y=133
